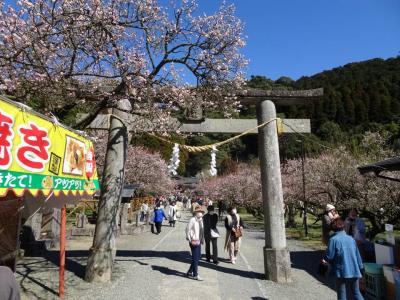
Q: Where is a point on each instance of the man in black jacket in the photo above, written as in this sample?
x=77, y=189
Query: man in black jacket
x=210, y=220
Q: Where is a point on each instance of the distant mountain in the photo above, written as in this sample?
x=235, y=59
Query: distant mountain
x=361, y=93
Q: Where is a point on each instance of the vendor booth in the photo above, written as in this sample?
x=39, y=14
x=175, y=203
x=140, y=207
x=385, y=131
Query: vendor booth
x=43, y=165
x=383, y=277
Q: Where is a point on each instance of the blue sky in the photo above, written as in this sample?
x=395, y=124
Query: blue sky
x=303, y=37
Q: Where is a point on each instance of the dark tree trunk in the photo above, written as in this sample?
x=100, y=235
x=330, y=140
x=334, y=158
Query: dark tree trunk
x=291, y=223
x=376, y=226
x=101, y=257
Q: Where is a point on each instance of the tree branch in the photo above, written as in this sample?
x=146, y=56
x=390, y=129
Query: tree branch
x=92, y=115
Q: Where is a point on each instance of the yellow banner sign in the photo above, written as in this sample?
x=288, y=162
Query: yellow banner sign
x=38, y=154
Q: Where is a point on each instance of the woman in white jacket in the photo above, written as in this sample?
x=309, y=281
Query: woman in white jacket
x=195, y=236
x=172, y=214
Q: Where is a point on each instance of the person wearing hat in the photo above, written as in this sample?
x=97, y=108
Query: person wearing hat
x=329, y=215
x=195, y=236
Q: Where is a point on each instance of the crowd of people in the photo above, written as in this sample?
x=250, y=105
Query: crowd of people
x=201, y=228
x=344, y=246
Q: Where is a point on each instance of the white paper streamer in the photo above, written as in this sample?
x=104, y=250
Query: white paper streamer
x=213, y=165
x=174, y=161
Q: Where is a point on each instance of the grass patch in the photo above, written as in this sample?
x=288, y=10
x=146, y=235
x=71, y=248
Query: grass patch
x=313, y=240
x=252, y=222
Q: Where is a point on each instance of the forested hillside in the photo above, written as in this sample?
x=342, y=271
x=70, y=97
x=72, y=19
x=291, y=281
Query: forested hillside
x=356, y=94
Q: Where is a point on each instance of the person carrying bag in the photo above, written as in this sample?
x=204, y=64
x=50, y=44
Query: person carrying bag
x=195, y=237
x=233, y=225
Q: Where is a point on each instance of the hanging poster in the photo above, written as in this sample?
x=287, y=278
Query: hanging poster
x=39, y=154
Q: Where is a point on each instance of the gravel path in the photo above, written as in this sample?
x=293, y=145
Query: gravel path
x=154, y=267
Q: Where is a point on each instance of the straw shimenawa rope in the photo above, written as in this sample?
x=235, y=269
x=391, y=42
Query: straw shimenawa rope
x=210, y=146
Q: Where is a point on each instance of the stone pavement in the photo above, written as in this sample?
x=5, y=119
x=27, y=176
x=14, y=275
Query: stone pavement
x=152, y=266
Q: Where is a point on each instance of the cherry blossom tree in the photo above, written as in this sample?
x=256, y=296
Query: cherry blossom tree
x=101, y=52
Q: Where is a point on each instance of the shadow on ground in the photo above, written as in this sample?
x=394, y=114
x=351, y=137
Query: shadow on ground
x=184, y=257
x=309, y=261
x=76, y=261
x=143, y=257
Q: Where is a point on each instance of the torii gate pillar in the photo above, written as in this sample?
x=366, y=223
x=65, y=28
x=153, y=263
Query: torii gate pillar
x=276, y=255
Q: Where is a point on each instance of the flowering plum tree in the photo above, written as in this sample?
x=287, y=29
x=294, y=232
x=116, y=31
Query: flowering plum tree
x=96, y=51
x=242, y=187
x=99, y=52
x=292, y=188
x=333, y=178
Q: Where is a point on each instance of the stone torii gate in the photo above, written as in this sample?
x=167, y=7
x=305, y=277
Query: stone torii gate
x=276, y=255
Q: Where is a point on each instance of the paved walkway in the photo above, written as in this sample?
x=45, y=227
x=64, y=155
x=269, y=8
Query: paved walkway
x=154, y=267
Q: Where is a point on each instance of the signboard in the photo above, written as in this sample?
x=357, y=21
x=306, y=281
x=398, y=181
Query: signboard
x=37, y=154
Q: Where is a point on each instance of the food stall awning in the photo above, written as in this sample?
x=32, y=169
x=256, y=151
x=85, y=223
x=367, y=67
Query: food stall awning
x=41, y=159
x=42, y=164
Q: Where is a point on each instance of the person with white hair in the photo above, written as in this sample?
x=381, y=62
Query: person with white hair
x=329, y=215
x=195, y=237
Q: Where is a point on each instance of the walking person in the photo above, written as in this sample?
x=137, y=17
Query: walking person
x=355, y=227
x=327, y=219
x=159, y=216
x=343, y=254
x=234, y=226
x=184, y=202
x=172, y=214
x=211, y=233
x=195, y=236
x=221, y=209
x=143, y=211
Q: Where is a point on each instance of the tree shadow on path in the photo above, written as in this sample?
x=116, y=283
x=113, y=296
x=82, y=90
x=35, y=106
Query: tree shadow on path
x=76, y=263
x=308, y=261
x=141, y=256
x=184, y=257
x=41, y=263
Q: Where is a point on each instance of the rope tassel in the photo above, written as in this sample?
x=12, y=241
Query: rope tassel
x=174, y=161
x=213, y=168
